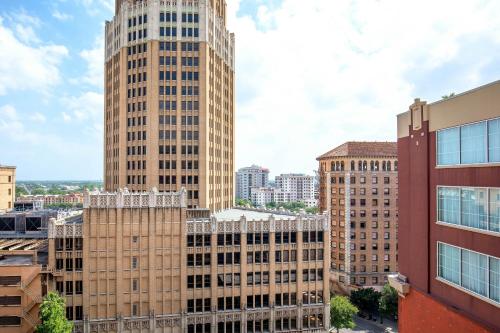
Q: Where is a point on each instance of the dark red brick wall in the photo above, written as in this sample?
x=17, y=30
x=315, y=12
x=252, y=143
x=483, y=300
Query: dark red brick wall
x=419, y=313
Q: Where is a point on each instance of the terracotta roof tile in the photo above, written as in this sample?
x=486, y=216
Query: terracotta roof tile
x=363, y=149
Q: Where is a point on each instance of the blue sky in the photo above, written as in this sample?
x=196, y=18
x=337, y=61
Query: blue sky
x=310, y=75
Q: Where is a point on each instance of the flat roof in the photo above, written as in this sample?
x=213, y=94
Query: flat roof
x=15, y=260
x=251, y=215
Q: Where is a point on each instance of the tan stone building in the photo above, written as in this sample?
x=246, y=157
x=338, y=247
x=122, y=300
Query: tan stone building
x=169, y=100
x=21, y=283
x=7, y=187
x=359, y=189
x=151, y=268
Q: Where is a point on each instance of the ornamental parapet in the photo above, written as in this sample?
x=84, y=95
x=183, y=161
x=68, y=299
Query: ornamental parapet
x=125, y=199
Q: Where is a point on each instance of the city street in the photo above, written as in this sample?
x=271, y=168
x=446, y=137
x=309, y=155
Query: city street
x=366, y=326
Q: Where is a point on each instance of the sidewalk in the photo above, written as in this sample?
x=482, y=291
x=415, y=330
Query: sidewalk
x=393, y=326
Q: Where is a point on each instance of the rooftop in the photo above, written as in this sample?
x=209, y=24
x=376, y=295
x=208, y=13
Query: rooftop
x=7, y=166
x=251, y=214
x=16, y=260
x=363, y=149
x=19, y=244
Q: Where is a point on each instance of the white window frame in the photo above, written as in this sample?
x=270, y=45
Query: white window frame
x=459, y=286
x=460, y=226
x=460, y=164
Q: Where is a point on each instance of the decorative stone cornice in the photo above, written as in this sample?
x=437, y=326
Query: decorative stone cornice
x=125, y=199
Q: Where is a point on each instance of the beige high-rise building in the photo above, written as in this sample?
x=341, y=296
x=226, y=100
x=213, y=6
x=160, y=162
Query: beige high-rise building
x=7, y=187
x=169, y=100
x=359, y=188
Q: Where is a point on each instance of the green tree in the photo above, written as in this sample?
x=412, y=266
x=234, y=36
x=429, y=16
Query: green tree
x=312, y=210
x=52, y=315
x=366, y=299
x=388, y=304
x=448, y=96
x=20, y=191
x=243, y=202
x=341, y=313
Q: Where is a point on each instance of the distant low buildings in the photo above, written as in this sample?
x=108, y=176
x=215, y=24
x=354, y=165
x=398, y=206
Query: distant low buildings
x=250, y=177
x=7, y=187
x=53, y=199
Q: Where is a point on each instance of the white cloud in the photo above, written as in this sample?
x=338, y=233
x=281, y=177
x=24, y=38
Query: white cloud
x=313, y=75
x=61, y=16
x=38, y=117
x=25, y=64
x=95, y=7
x=95, y=63
x=87, y=109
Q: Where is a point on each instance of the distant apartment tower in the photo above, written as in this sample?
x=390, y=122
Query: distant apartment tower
x=163, y=268
x=299, y=186
x=359, y=188
x=169, y=100
x=260, y=196
x=7, y=187
x=449, y=199
x=249, y=177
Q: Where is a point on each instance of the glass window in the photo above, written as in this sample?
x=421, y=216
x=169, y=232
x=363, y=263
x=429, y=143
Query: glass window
x=473, y=143
x=449, y=263
x=448, y=146
x=474, y=272
x=473, y=208
x=494, y=140
x=494, y=209
x=495, y=279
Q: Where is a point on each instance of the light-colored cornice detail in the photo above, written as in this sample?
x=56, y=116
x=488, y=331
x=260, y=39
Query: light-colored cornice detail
x=125, y=199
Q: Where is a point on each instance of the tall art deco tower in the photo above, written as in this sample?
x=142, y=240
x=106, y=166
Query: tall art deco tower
x=169, y=100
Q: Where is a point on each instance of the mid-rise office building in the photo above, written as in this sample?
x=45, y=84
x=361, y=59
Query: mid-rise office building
x=359, y=189
x=24, y=276
x=449, y=199
x=7, y=187
x=169, y=100
x=248, y=178
x=163, y=268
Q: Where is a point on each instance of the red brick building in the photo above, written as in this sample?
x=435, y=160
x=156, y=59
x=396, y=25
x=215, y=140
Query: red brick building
x=449, y=214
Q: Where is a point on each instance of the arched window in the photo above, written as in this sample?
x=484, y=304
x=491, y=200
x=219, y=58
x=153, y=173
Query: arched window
x=396, y=166
x=365, y=166
x=342, y=166
x=372, y=166
x=337, y=166
x=360, y=166
x=353, y=165
x=332, y=166
x=388, y=165
x=376, y=166
x=384, y=168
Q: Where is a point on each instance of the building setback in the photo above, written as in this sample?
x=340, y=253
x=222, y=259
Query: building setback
x=169, y=100
x=358, y=187
x=449, y=197
x=7, y=187
x=248, y=178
